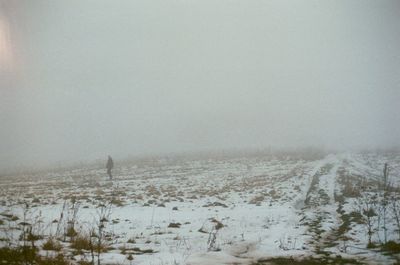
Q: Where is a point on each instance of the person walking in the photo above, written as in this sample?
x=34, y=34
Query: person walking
x=109, y=166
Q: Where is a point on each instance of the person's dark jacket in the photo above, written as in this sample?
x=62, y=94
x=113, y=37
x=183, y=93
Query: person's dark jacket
x=110, y=163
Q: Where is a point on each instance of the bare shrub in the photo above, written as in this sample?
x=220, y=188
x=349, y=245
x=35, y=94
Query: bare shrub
x=52, y=244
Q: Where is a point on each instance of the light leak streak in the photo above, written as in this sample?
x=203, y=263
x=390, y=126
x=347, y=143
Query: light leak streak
x=6, y=50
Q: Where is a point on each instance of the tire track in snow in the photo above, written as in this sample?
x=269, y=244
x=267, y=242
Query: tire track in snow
x=319, y=211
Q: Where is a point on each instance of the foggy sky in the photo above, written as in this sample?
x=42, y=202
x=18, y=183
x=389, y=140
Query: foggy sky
x=84, y=79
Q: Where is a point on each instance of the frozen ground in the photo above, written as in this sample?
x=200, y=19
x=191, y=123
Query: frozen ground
x=206, y=211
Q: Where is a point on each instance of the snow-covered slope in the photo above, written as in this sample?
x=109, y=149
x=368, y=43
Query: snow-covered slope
x=210, y=211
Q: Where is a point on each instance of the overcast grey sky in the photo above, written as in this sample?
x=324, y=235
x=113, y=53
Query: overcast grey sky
x=83, y=79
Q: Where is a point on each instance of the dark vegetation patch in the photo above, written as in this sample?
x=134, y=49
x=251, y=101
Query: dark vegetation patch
x=347, y=220
x=28, y=255
x=391, y=246
x=135, y=251
x=81, y=243
x=52, y=244
x=174, y=225
x=215, y=204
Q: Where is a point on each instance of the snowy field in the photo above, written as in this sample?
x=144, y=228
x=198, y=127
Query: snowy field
x=208, y=211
